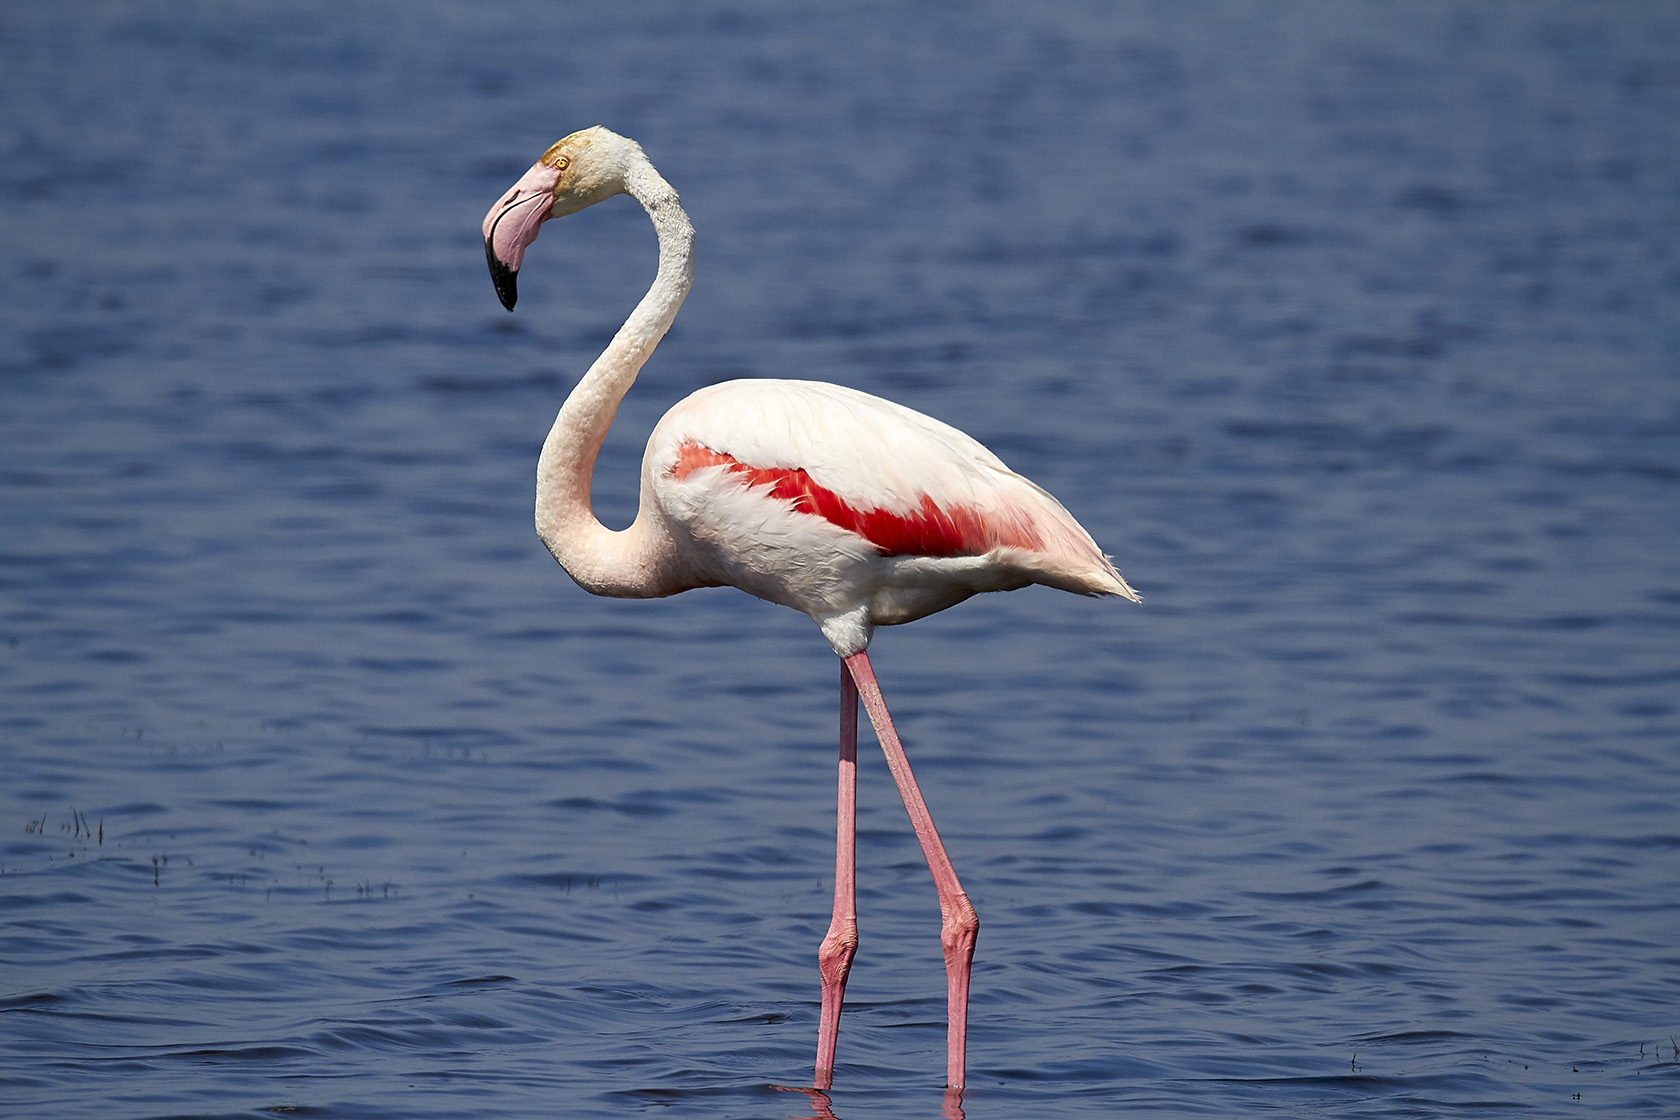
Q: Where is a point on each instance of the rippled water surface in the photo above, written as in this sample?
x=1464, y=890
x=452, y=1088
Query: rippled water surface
x=1349, y=329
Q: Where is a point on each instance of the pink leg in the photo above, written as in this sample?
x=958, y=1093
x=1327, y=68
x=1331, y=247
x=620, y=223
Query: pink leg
x=960, y=924
x=834, y=959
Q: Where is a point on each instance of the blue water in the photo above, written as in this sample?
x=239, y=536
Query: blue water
x=1350, y=329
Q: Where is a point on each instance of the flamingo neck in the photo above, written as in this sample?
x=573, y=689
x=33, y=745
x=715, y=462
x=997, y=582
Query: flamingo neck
x=635, y=562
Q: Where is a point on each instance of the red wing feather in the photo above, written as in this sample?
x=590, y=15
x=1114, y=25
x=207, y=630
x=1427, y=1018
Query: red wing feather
x=927, y=531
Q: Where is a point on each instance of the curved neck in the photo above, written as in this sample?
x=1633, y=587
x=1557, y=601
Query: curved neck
x=631, y=563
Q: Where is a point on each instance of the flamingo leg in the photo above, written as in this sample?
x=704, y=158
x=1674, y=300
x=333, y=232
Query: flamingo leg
x=834, y=958
x=959, y=923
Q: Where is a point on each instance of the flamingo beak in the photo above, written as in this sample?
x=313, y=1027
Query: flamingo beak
x=512, y=224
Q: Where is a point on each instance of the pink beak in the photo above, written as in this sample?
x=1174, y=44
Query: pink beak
x=513, y=223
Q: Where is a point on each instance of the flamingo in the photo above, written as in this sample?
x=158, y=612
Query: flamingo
x=853, y=509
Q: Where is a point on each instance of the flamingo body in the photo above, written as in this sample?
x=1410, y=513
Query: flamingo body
x=855, y=510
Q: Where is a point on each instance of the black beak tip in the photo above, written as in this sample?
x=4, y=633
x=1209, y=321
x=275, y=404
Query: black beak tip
x=505, y=278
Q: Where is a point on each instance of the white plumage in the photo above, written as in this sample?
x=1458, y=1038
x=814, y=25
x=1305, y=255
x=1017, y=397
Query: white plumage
x=872, y=455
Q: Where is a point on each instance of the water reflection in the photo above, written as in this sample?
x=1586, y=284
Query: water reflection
x=950, y=1107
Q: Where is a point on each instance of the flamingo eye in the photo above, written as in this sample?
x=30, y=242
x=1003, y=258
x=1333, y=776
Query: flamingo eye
x=556, y=158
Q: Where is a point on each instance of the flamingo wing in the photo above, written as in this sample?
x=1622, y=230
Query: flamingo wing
x=871, y=479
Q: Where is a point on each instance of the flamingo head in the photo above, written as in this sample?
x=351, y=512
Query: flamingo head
x=576, y=172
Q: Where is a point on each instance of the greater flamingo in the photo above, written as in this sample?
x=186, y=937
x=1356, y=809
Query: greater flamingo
x=855, y=510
